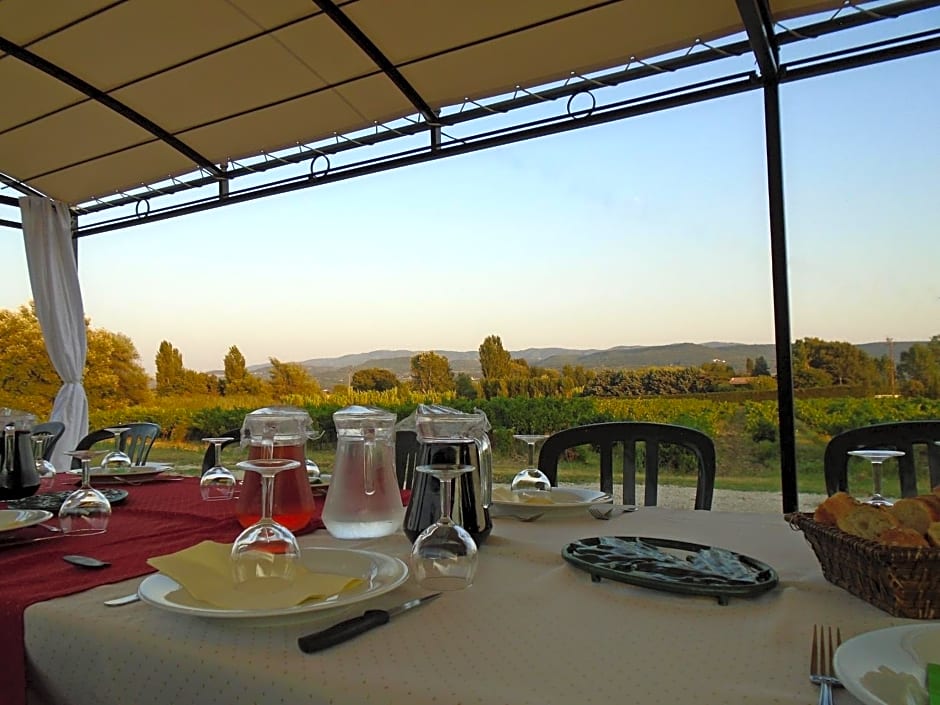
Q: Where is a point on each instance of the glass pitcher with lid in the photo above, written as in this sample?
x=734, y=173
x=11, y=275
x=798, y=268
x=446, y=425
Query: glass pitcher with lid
x=277, y=432
x=18, y=475
x=449, y=436
x=364, y=500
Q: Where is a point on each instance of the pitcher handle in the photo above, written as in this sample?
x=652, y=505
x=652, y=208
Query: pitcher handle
x=368, y=466
x=9, y=447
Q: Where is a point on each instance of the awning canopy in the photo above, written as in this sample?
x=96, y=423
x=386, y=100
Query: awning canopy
x=102, y=96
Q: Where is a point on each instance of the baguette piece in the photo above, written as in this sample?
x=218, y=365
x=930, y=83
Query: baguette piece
x=933, y=534
x=903, y=536
x=833, y=507
x=915, y=513
x=867, y=521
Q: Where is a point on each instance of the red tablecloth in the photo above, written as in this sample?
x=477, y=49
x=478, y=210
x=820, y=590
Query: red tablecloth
x=156, y=518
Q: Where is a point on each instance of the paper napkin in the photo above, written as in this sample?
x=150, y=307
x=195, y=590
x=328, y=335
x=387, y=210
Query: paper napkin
x=205, y=572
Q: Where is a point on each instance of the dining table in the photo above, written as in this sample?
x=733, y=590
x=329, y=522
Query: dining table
x=533, y=629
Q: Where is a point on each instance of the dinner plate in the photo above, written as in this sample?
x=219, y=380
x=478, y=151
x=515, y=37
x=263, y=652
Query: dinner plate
x=896, y=648
x=379, y=574
x=559, y=501
x=12, y=519
x=672, y=566
x=134, y=473
x=323, y=485
x=51, y=501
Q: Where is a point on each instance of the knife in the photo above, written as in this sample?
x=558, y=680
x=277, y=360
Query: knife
x=347, y=629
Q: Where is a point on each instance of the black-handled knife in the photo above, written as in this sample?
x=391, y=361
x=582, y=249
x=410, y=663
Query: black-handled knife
x=343, y=631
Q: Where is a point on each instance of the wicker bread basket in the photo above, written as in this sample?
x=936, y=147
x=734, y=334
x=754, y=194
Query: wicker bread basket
x=904, y=582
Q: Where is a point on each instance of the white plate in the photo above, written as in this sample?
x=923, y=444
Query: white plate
x=12, y=519
x=564, y=501
x=147, y=471
x=323, y=484
x=892, y=647
x=379, y=574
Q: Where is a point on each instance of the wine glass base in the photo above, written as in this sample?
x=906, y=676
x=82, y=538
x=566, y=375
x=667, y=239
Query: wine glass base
x=878, y=501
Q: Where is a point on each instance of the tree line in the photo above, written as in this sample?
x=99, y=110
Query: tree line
x=114, y=376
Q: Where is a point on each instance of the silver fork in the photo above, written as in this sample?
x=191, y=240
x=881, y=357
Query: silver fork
x=821, y=671
x=609, y=511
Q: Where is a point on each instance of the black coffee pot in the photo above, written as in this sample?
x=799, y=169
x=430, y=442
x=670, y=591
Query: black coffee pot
x=18, y=474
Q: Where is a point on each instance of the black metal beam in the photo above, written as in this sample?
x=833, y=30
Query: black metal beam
x=747, y=83
x=24, y=189
x=758, y=24
x=70, y=79
x=352, y=30
x=786, y=412
x=11, y=224
x=803, y=69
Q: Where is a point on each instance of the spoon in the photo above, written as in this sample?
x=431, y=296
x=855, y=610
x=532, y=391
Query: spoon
x=85, y=561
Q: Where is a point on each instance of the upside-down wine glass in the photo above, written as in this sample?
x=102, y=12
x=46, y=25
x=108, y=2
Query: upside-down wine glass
x=86, y=510
x=444, y=556
x=218, y=482
x=876, y=457
x=531, y=478
x=44, y=468
x=116, y=459
x=265, y=550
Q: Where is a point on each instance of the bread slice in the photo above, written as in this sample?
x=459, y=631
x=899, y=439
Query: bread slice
x=903, y=536
x=933, y=534
x=867, y=521
x=833, y=507
x=915, y=513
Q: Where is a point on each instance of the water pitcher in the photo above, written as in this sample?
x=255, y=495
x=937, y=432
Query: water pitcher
x=364, y=500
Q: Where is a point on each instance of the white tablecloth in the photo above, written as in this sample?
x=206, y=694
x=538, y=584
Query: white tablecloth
x=533, y=630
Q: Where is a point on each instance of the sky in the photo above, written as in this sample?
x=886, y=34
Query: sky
x=648, y=231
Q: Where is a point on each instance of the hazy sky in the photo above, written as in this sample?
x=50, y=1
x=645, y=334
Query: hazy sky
x=649, y=231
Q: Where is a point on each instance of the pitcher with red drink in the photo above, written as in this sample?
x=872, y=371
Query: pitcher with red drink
x=277, y=432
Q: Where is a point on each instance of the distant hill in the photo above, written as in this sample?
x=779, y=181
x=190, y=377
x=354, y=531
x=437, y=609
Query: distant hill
x=338, y=370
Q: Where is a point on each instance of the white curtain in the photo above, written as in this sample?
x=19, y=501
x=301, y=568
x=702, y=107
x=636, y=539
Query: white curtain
x=53, y=275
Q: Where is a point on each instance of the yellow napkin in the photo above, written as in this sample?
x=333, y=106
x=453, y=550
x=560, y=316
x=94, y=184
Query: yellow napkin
x=205, y=571
x=501, y=494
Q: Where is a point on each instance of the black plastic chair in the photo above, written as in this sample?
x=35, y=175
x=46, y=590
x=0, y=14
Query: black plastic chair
x=54, y=429
x=628, y=433
x=136, y=441
x=208, y=458
x=406, y=457
x=900, y=435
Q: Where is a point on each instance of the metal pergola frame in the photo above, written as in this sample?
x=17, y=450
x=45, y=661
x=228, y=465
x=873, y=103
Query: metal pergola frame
x=312, y=164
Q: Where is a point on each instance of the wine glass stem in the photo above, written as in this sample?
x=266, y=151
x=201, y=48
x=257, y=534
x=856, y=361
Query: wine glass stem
x=267, y=497
x=446, y=493
x=218, y=453
x=876, y=477
x=86, y=473
x=531, y=445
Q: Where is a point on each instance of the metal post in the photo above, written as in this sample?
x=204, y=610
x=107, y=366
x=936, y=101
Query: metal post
x=781, y=295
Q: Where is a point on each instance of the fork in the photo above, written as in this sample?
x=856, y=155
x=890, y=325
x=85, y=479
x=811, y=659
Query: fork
x=821, y=671
x=608, y=511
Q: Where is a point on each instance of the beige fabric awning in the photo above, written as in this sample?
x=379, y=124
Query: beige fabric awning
x=231, y=79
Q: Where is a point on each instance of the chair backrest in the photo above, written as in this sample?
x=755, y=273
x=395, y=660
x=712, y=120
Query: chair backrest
x=406, y=457
x=136, y=441
x=628, y=433
x=901, y=435
x=208, y=458
x=55, y=429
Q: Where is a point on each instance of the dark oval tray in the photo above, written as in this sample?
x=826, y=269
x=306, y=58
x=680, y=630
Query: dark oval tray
x=620, y=558
x=51, y=501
